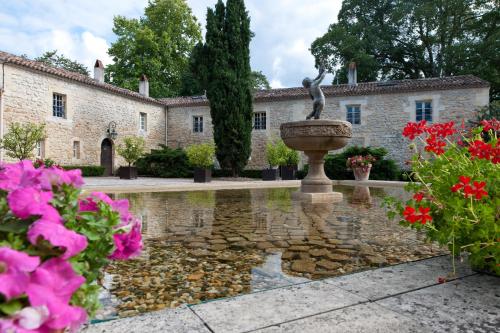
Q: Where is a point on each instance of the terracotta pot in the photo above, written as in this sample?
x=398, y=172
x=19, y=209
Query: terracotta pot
x=361, y=174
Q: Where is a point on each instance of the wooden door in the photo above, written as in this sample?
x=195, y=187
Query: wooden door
x=107, y=157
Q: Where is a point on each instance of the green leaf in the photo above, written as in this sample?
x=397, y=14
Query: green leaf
x=11, y=307
x=15, y=226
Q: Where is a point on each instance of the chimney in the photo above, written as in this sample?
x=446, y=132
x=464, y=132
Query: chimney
x=144, y=86
x=99, y=71
x=352, y=77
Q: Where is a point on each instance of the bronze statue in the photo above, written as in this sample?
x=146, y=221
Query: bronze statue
x=316, y=93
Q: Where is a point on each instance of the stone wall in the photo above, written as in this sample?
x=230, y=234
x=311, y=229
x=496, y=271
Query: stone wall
x=383, y=117
x=28, y=98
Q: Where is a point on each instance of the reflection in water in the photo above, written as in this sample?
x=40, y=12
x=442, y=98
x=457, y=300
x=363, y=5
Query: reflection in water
x=206, y=245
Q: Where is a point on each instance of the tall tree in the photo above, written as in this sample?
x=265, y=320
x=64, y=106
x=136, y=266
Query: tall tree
x=229, y=92
x=394, y=39
x=158, y=45
x=53, y=59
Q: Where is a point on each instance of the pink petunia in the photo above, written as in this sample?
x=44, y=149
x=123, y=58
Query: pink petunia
x=19, y=175
x=57, y=235
x=15, y=267
x=128, y=244
x=28, y=201
x=55, y=176
x=52, y=285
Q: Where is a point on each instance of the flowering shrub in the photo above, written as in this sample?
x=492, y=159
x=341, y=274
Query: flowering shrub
x=53, y=245
x=455, y=194
x=363, y=162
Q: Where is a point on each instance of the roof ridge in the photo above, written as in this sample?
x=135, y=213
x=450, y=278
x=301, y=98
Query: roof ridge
x=75, y=76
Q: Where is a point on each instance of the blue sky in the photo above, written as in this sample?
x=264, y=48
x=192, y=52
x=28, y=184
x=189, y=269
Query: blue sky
x=82, y=30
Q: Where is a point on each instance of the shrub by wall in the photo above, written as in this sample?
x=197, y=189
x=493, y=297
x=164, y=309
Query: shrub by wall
x=165, y=162
x=87, y=170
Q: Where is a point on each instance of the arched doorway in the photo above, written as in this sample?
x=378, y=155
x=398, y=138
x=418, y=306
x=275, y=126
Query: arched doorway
x=107, y=156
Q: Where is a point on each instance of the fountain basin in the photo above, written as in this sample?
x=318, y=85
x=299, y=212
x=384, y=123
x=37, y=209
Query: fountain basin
x=315, y=138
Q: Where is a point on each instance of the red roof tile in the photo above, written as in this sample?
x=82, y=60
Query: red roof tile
x=41, y=67
x=365, y=88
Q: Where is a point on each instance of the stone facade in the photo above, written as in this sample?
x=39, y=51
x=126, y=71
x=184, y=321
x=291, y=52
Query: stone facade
x=383, y=117
x=28, y=97
x=27, y=90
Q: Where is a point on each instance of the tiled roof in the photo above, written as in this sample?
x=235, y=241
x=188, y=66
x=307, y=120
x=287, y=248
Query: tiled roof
x=39, y=66
x=365, y=88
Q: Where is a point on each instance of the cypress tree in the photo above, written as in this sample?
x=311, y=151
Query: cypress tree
x=229, y=92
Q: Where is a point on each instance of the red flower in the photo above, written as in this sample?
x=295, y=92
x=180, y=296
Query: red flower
x=464, y=182
x=495, y=154
x=441, y=279
x=412, y=130
x=418, y=196
x=442, y=130
x=481, y=150
x=409, y=214
x=477, y=190
x=492, y=124
x=424, y=216
x=434, y=145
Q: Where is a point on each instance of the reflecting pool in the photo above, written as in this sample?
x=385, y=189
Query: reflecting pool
x=210, y=244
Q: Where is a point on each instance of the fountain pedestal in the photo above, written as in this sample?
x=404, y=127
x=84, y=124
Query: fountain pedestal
x=315, y=138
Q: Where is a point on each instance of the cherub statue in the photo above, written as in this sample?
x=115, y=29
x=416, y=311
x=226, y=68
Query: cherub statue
x=315, y=92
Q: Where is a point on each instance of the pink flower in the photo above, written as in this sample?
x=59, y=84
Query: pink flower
x=89, y=204
x=57, y=235
x=28, y=201
x=129, y=244
x=55, y=176
x=16, y=175
x=15, y=267
x=52, y=285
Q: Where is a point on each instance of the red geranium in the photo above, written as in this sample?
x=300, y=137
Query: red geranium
x=434, y=145
x=477, y=190
x=492, y=124
x=463, y=182
x=424, y=215
x=418, y=196
x=480, y=150
x=442, y=130
x=412, y=130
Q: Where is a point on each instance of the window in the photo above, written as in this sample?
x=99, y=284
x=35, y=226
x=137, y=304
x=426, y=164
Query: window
x=58, y=105
x=423, y=111
x=354, y=114
x=143, y=120
x=76, y=149
x=197, y=124
x=39, y=149
x=259, y=120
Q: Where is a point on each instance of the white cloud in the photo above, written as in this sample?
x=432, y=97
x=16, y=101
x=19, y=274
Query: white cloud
x=82, y=30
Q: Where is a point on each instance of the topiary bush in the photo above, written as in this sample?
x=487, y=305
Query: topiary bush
x=165, y=162
x=201, y=155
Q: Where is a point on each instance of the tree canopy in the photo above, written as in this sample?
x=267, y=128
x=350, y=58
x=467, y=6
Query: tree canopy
x=227, y=52
x=259, y=81
x=395, y=39
x=158, y=44
x=53, y=59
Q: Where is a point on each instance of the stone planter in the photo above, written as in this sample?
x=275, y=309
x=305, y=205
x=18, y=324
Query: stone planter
x=288, y=172
x=362, y=174
x=270, y=174
x=127, y=172
x=202, y=175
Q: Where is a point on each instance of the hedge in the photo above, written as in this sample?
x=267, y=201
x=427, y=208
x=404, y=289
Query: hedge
x=244, y=173
x=382, y=169
x=87, y=170
x=165, y=163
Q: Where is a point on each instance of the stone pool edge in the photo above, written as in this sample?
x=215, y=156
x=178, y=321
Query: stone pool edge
x=350, y=297
x=177, y=185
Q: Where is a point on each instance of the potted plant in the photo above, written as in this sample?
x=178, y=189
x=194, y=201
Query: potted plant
x=289, y=162
x=131, y=151
x=455, y=186
x=274, y=158
x=361, y=166
x=201, y=157
x=54, y=244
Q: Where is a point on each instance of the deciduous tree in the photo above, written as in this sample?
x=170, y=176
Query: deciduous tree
x=158, y=45
x=53, y=59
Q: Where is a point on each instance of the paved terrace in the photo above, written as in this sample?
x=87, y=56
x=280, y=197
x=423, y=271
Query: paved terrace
x=401, y=298
x=146, y=184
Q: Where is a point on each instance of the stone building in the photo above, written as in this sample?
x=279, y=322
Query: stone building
x=81, y=113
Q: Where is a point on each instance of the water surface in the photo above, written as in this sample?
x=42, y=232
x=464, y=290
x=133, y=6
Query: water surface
x=209, y=244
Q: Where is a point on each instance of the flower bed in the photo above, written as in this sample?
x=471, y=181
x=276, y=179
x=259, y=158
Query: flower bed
x=456, y=190
x=53, y=244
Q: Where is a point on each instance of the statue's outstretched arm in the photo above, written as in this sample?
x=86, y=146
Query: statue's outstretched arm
x=321, y=75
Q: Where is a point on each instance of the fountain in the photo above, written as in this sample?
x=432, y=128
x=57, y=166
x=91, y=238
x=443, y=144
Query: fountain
x=315, y=137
